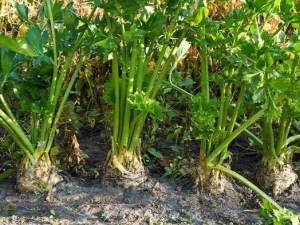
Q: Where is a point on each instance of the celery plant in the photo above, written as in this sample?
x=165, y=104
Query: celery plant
x=136, y=34
x=275, y=171
x=215, y=117
x=276, y=60
x=35, y=68
x=257, y=65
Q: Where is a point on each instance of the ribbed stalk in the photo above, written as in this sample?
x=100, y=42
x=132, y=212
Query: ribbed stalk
x=130, y=85
x=214, y=154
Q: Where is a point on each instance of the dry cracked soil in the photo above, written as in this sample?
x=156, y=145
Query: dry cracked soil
x=89, y=200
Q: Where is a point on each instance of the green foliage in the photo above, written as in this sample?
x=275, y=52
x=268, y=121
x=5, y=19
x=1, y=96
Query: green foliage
x=19, y=45
x=140, y=102
x=204, y=116
x=275, y=216
x=22, y=11
x=180, y=166
x=156, y=153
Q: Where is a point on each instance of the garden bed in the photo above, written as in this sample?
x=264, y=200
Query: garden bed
x=88, y=200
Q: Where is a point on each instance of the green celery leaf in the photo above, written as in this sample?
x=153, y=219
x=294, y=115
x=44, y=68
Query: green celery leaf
x=22, y=10
x=34, y=38
x=56, y=9
x=204, y=115
x=280, y=83
x=70, y=19
x=154, y=24
x=168, y=172
x=6, y=61
x=18, y=45
x=109, y=93
x=139, y=101
x=199, y=16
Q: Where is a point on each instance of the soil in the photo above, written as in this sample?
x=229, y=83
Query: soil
x=89, y=200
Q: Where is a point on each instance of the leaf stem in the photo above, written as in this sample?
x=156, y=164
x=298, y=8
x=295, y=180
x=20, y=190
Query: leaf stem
x=247, y=183
x=214, y=154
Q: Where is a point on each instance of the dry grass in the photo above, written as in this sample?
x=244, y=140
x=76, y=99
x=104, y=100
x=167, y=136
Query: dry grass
x=10, y=22
x=218, y=9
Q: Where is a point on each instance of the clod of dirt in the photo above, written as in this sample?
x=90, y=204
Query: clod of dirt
x=277, y=180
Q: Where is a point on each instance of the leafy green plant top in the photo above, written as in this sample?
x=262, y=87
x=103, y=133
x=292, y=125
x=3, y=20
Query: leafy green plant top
x=277, y=216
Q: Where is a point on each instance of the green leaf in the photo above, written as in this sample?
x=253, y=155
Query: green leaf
x=141, y=102
x=249, y=50
x=187, y=82
x=199, y=15
x=18, y=45
x=25, y=48
x=171, y=136
x=10, y=43
x=204, y=114
x=69, y=16
x=182, y=171
x=269, y=60
x=261, y=63
x=34, y=38
x=6, y=61
x=91, y=121
x=6, y=174
x=156, y=153
x=10, y=207
x=168, y=172
x=272, y=111
x=54, y=151
x=56, y=11
x=154, y=24
x=102, y=43
x=280, y=83
x=22, y=10
x=259, y=95
x=52, y=212
x=109, y=94
x=134, y=33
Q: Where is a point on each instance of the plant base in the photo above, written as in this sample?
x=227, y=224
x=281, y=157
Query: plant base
x=277, y=180
x=38, y=178
x=133, y=174
x=214, y=184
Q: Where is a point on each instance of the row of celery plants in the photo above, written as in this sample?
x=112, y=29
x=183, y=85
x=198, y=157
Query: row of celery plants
x=131, y=35
x=131, y=43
